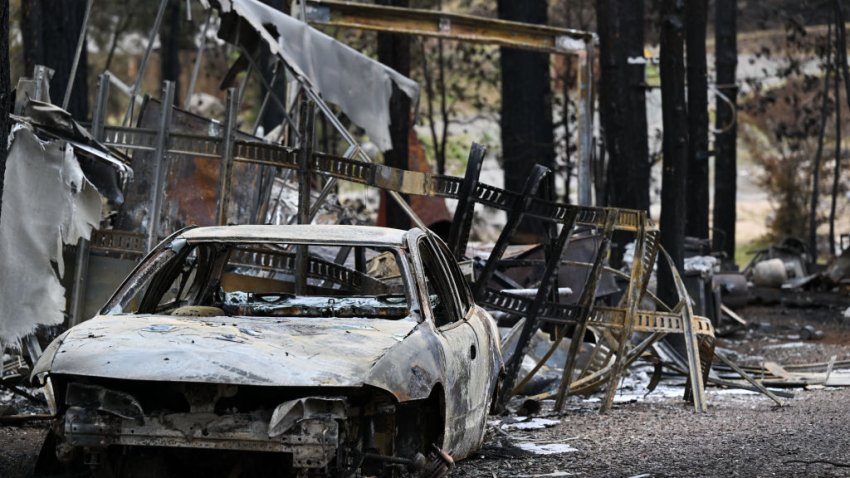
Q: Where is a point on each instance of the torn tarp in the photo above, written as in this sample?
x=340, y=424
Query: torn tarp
x=361, y=86
x=47, y=202
x=105, y=168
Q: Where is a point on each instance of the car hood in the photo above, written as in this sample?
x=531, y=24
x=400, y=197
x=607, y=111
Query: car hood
x=232, y=350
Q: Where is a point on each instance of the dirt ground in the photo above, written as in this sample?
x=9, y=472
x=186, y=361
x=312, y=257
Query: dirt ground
x=742, y=434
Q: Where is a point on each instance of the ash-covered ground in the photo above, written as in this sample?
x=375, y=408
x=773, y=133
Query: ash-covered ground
x=741, y=435
x=654, y=435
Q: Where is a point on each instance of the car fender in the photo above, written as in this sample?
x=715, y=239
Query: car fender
x=411, y=369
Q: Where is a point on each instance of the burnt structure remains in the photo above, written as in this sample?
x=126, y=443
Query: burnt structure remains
x=164, y=168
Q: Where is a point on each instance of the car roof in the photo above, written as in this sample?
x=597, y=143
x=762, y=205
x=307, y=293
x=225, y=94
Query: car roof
x=299, y=234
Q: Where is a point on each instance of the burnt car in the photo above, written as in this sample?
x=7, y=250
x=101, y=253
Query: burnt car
x=268, y=350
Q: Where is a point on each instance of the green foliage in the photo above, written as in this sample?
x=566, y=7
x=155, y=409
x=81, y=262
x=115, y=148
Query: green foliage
x=779, y=121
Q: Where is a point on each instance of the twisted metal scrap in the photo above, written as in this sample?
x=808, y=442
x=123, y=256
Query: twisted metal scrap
x=625, y=319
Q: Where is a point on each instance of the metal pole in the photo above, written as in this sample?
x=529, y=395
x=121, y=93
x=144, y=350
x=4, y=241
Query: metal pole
x=83, y=246
x=306, y=119
x=80, y=41
x=244, y=85
x=325, y=109
x=228, y=137
x=691, y=344
x=586, y=301
x=42, y=77
x=634, y=295
x=550, y=271
x=138, y=83
x=99, y=118
x=160, y=163
x=270, y=90
x=307, y=87
x=266, y=99
x=199, y=55
x=585, y=125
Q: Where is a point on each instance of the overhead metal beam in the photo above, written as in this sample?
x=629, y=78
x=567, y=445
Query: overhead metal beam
x=489, y=31
x=453, y=26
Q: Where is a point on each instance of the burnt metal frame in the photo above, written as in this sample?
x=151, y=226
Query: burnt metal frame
x=228, y=149
x=462, y=223
x=489, y=31
x=518, y=205
x=78, y=288
x=584, y=315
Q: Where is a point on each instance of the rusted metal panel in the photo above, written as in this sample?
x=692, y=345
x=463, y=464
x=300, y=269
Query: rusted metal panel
x=191, y=188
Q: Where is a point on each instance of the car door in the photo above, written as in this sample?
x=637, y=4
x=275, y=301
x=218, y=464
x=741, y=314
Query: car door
x=442, y=306
x=485, y=357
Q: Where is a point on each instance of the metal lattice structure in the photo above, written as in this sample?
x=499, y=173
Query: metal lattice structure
x=224, y=147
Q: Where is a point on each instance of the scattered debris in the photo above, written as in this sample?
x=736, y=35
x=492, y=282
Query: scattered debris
x=546, y=448
x=65, y=209
x=530, y=424
x=187, y=367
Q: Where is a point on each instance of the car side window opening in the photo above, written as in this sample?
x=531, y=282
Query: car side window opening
x=183, y=283
x=464, y=294
x=441, y=294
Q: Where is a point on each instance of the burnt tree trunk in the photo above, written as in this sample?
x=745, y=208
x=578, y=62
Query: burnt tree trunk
x=841, y=57
x=394, y=51
x=824, y=111
x=169, y=49
x=675, y=143
x=836, y=171
x=725, y=162
x=697, y=203
x=50, y=31
x=526, y=116
x=5, y=91
x=623, y=102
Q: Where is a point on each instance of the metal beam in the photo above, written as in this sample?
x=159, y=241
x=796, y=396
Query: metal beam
x=79, y=50
x=228, y=137
x=585, y=125
x=160, y=165
x=140, y=76
x=81, y=268
x=490, y=31
x=452, y=26
x=199, y=56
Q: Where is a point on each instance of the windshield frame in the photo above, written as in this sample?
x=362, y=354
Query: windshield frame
x=167, y=252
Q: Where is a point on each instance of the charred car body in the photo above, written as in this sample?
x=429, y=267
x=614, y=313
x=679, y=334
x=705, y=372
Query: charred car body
x=258, y=349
